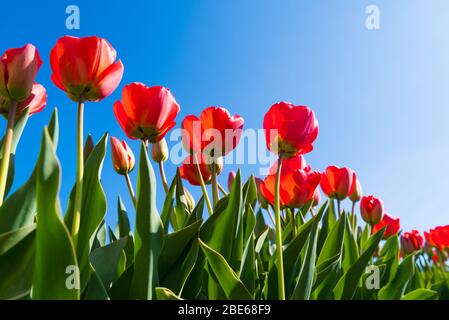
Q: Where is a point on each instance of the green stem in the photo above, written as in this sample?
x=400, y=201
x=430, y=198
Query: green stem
x=222, y=190
x=277, y=215
x=292, y=218
x=4, y=165
x=270, y=214
x=215, y=196
x=202, y=184
x=131, y=190
x=354, y=221
x=163, y=178
x=338, y=207
x=79, y=173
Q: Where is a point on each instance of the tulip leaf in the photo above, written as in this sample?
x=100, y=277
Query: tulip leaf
x=55, y=272
x=149, y=232
x=17, y=248
x=347, y=285
x=396, y=287
x=19, y=209
x=350, y=248
x=165, y=294
x=334, y=241
x=421, y=294
x=125, y=231
x=167, y=209
x=231, y=285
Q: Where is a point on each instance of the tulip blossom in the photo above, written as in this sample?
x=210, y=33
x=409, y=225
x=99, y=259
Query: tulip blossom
x=392, y=224
x=438, y=237
x=411, y=241
x=18, y=68
x=34, y=103
x=290, y=130
x=85, y=68
x=231, y=178
x=338, y=182
x=146, y=113
x=371, y=209
x=297, y=187
x=122, y=156
x=188, y=170
x=356, y=194
x=215, y=133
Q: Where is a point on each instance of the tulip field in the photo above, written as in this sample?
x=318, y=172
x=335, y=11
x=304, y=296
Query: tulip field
x=283, y=236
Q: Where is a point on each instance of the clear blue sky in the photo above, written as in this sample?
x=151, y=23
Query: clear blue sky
x=381, y=97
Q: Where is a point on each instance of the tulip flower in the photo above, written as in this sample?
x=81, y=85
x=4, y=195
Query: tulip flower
x=372, y=210
x=356, y=194
x=411, y=242
x=231, y=178
x=338, y=182
x=146, y=113
x=34, y=103
x=262, y=201
x=123, y=161
x=195, y=170
x=215, y=133
x=86, y=70
x=159, y=151
x=18, y=68
x=290, y=130
x=392, y=224
x=438, y=237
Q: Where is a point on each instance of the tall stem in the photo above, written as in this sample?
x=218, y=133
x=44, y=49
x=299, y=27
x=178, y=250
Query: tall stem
x=79, y=173
x=131, y=190
x=292, y=218
x=202, y=184
x=222, y=190
x=215, y=196
x=354, y=221
x=163, y=178
x=277, y=215
x=338, y=207
x=4, y=166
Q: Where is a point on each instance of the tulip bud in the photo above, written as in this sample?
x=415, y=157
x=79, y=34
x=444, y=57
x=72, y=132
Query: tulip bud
x=217, y=162
x=159, y=151
x=371, y=209
x=316, y=198
x=190, y=201
x=263, y=202
x=122, y=156
x=411, y=241
x=18, y=68
x=231, y=178
x=356, y=195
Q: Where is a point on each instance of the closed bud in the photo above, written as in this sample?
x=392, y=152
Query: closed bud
x=190, y=201
x=122, y=156
x=356, y=195
x=214, y=161
x=411, y=241
x=159, y=151
x=231, y=178
x=371, y=209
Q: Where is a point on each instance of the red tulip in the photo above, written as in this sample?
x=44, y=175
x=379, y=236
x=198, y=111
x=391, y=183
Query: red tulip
x=260, y=197
x=215, y=133
x=371, y=209
x=438, y=237
x=316, y=197
x=122, y=156
x=35, y=102
x=18, y=68
x=290, y=164
x=188, y=170
x=85, y=68
x=411, y=241
x=392, y=224
x=338, y=182
x=146, y=113
x=356, y=194
x=297, y=187
x=290, y=130
x=231, y=178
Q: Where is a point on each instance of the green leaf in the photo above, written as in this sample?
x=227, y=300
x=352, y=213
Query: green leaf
x=248, y=268
x=17, y=249
x=347, y=285
x=421, y=294
x=105, y=261
x=166, y=294
x=55, y=254
x=19, y=209
x=305, y=281
x=168, y=207
x=125, y=231
x=334, y=241
x=396, y=287
x=350, y=248
x=328, y=273
x=149, y=232
x=93, y=209
x=228, y=280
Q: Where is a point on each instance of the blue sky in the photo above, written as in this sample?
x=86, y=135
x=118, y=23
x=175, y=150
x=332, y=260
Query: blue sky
x=381, y=96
